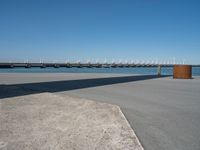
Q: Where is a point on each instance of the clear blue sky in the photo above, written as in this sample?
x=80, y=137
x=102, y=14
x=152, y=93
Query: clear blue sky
x=91, y=29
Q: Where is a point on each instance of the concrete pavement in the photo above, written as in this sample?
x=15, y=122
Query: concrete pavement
x=164, y=113
x=47, y=121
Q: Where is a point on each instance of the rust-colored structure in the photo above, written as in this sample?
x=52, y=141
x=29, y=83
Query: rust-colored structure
x=182, y=72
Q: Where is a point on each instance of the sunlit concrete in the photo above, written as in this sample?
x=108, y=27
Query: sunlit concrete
x=48, y=121
x=164, y=113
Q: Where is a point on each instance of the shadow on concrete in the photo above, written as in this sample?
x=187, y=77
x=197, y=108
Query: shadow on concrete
x=66, y=85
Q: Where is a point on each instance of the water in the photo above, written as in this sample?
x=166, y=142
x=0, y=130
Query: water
x=140, y=70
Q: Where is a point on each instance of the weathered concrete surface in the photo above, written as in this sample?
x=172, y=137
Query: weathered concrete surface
x=18, y=78
x=164, y=113
x=48, y=121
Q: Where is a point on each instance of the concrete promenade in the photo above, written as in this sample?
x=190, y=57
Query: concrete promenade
x=164, y=113
x=47, y=121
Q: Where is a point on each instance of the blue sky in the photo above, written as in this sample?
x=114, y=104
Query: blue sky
x=100, y=29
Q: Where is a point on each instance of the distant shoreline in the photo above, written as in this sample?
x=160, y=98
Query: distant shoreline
x=129, y=71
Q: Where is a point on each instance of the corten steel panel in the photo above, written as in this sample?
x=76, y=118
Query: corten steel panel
x=182, y=72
